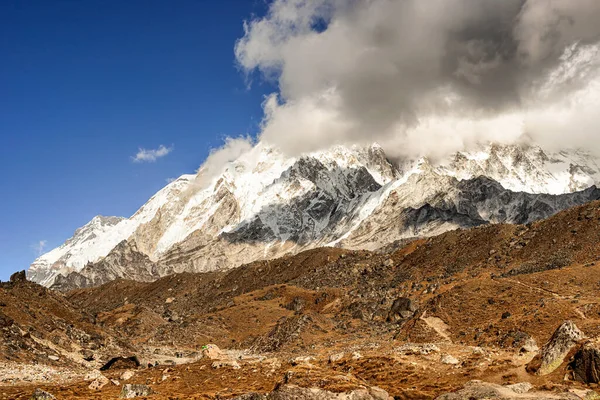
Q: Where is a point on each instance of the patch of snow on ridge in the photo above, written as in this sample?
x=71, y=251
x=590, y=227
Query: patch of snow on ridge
x=98, y=237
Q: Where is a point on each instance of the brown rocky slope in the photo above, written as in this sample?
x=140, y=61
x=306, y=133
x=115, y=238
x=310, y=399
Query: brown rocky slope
x=476, y=303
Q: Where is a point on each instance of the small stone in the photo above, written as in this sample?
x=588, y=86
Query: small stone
x=336, y=357
x=169, y=300
x=449, y=360
x=127, y=375
x=302, y=360
x=53, y=358
x=356, y=355
x=226, y=363
x=530, y=346
x=98, y=383
x=378, y=393
x=423, y=349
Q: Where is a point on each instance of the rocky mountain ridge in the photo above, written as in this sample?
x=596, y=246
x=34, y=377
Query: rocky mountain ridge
x=264, y=205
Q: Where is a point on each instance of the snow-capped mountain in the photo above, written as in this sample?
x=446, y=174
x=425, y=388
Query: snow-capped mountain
x=264, y=205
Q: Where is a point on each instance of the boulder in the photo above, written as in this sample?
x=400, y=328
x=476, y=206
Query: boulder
x=98, y=383
x=416, y=348
x=402, y=308
x=449, y=360
x=302, y=360
x=130, y=391
x=553, y=354
x=530, y=346
x=40, y=394
x=585, y=365
x=336, y=357
x=212, y=352
x=127, y=375
x=18, y=277
x=121, y=363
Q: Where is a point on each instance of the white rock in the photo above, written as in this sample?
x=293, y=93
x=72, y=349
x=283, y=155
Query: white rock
x=449, y=360
x=127, y=375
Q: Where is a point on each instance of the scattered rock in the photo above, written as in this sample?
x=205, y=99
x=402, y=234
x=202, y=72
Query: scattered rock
x=479, y=351
x=584, y=394
x=169, y=300
x=297, y=304
x=478, y=390
x=414, y=348
x=40, y=394
x=449, y=360
x=530, y=346
x=336, y=357
x=88, y=355
x=127, y=375
x=130, y=391
x=402, y=308
x=53, y=358
x=520, y=388
x=98, y=383
x=292, y=392
x=306, y=360
x=558, y=347
x=226, y=363
x=356, y=355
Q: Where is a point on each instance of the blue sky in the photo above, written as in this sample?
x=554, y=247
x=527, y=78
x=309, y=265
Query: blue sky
x=85, y=84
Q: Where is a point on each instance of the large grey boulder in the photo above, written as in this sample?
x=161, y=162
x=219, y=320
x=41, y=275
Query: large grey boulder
x=558, y=347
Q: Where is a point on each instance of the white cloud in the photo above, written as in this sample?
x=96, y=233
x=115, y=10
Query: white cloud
x=145, y=155
x=39, y=247
x=218, y=158
x=426, y=77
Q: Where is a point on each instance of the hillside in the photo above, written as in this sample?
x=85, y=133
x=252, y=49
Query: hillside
x=487, y=296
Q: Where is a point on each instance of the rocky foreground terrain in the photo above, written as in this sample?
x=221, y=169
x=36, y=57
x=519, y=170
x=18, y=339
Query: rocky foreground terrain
x=492, y=312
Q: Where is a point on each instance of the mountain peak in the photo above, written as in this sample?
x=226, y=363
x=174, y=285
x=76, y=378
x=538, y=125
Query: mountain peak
x=265, y=204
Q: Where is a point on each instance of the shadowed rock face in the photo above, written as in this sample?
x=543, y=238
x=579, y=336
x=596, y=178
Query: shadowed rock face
x=586, y=363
